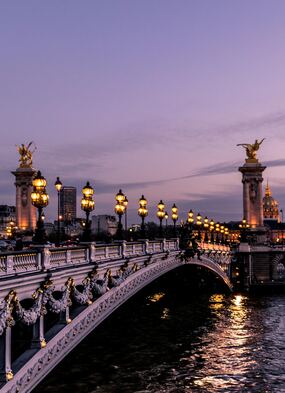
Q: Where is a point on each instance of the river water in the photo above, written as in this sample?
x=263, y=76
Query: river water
x=171, y=338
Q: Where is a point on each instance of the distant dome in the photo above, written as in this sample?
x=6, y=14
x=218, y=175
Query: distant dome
x=270, y=205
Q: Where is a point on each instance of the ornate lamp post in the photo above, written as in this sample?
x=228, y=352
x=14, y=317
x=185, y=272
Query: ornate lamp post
x=87, y=205
x=206, y=227
x=243, y=226
x=58, y=187
x=212, y=228
x=199, y=223
x=160, y=214
x=190, y=219
x=126, y=202
x=174, y=216
x=166, y=223
x=222, y=234
x=120, y=210
x=40, y=199
x=166, y=218
x=217, y=232
x=142, y=212
x=227, y=235
x=11, y=229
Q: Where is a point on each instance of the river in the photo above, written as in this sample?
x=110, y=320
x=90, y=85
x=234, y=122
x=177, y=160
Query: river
x=171, y=338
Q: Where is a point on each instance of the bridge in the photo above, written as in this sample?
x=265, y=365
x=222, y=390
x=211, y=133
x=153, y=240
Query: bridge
x=60, y=295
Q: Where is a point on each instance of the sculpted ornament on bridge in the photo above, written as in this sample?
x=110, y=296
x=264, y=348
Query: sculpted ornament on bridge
x=26, y=154
x=251, y=149
x=110, y=283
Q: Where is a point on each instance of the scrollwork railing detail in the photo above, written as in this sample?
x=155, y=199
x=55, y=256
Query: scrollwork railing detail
x=60, y=305
x=98, y=286
x=84, y=297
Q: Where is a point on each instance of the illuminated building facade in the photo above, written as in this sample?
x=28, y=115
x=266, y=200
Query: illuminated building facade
x=68, y=203
x=270, y=206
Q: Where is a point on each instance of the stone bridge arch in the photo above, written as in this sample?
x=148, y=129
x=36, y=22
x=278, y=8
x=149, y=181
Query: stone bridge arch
x=30, y=370
x=278, y=267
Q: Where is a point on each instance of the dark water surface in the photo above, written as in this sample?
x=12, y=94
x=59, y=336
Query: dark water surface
x=168, y=339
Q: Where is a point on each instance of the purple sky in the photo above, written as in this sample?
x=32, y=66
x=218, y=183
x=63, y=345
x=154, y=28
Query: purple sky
x=134, y=94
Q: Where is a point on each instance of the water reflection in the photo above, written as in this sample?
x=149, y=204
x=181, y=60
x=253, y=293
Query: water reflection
x=182, y=344
x=225, y=353
x=156, y=297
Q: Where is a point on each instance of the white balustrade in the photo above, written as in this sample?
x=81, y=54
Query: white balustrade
x=114, y=251
x=129, y=249
x=138, y=248
x=100, y=252
x=151, y=248
x=25, y=262
x=50, y=258
x=3, y=264
x=57, y=258
x=78, y=255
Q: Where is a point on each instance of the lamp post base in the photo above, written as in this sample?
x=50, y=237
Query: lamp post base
x=39, y=236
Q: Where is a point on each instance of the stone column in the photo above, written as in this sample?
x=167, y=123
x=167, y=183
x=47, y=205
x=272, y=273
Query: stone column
x=252, y=192
x=5, y=355
x=38, y=340
x=246, y=214
x=26, y=215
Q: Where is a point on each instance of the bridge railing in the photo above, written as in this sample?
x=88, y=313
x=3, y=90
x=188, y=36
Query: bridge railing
x=214, y=247
x=218, y=253
x=47, y=257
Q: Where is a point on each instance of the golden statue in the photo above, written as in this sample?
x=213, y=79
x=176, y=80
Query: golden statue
x=251, y=149
x=26, y=154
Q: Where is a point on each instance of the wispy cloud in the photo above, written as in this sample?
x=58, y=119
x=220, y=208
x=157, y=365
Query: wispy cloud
x=228, y=167
x=271, y=120
x=223, y=168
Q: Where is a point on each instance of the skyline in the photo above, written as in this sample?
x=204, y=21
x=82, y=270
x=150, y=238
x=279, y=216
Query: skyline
x=152, y=205
x=148, y=97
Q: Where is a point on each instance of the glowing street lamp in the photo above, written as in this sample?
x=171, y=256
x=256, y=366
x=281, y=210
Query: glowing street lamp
x=174, y=216
x=206, y=227
x=243, y=226
x=222, y=230
x=166, y=218
x=212, y=228
x=199, y=224
x=142, y=212
x=120, y=210
x=40, y=200
x=227, y=233
x=58, y=187
x=126, y=202
x=11, y=229
x=217, y=229
x=87, y=205
x=160, y=214
x=190, y=219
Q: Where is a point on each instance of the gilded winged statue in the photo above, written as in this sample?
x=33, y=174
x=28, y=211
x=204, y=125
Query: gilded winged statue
x=26, y=154
x=251, y=149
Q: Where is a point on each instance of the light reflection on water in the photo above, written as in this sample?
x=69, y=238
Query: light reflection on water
x=196, y=345
x=225, y=351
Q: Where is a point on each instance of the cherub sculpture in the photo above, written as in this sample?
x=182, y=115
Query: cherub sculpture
x=251, y=149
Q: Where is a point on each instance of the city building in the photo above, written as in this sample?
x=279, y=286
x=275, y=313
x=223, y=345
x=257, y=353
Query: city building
x=7, y=215
x=68, y=203
x=104, y=223
x=270, y=206
x=49, y=228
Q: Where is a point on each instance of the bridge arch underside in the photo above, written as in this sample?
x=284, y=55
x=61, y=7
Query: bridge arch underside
x=30, y=368
x=277, y=268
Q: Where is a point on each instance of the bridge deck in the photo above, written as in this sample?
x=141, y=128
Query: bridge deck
x=97, y=279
